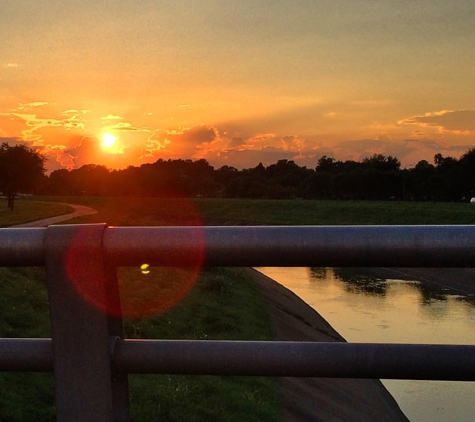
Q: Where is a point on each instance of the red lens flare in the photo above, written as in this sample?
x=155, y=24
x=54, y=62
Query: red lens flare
x=143, y=290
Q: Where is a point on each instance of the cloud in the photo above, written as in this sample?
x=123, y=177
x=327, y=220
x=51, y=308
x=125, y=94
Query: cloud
x=181, y=143
x=295, y=143
x=457, y=121
x=262, y=140
x=127, y=127
x=35, y=123
x=408, y=151
x=236, y=142
x=33, y=104
x=10, y=65
x=41, y=123
x=38, y=119
x=111, y=117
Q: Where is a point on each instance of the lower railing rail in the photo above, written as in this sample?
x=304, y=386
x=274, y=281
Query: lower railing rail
x=259, y=358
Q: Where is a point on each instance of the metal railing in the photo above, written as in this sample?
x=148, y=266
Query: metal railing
x=86, y=341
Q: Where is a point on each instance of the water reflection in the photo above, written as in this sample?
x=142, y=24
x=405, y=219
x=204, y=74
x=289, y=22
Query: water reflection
x=376, y=281
x=359, y=282
x=387, y=306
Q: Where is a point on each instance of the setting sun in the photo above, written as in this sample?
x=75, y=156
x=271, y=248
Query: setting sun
x=108, y=140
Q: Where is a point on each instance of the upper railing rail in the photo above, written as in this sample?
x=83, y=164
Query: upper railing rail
x=344, y=246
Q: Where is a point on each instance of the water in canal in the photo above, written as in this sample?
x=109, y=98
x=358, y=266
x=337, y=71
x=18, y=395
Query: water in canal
x=365, y=308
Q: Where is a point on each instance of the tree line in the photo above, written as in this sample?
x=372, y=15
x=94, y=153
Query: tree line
x=378, y=177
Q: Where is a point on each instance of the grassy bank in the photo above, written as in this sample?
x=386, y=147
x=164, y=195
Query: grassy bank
x=223, y=305
x=335, y=212
x=292, y=212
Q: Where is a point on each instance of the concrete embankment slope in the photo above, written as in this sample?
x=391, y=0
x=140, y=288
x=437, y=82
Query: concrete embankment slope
x=321, y=399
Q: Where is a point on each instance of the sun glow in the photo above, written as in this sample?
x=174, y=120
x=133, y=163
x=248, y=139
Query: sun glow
x=108, y=140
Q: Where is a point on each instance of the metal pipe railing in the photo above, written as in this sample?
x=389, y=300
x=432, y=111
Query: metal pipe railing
x=22, y=247
x=26, y=355
x=345, y=246
x=86, y=341
x=297, y=359
x=257, y=358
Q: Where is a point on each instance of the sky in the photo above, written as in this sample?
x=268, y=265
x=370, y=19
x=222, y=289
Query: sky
x=237, y=82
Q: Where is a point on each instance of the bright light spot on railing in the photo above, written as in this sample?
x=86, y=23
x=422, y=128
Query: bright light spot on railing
x=145, y=268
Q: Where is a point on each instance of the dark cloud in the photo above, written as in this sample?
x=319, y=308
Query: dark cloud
x=197, y=135
x=426, y=143
x=180, y=144
x=236, y=142
x=297, y=143
x=448, y=120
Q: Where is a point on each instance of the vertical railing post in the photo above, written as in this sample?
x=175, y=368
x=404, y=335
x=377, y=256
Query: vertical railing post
x=86, y=389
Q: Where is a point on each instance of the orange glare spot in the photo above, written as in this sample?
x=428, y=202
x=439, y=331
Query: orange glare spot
x=145, y=268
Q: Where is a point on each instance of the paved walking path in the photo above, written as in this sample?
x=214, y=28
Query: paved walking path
x=79, y=210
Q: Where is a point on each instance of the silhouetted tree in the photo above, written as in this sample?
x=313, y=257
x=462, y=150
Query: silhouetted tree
x=21, y=168
x=90, y=179
x=382, y=162
x=466, y=169
x=327, y=164
x=225, y=174
x=60, y=182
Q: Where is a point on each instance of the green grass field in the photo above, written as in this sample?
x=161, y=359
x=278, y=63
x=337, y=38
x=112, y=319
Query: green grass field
x=294, y=212
x=27, y=210
x=155, y=211
x=223, y=304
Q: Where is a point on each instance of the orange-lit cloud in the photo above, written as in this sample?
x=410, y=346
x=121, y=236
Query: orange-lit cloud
x=180, y=143
x=71, y=137
x=457, y=121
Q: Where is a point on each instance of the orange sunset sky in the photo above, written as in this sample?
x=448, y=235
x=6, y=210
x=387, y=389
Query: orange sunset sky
x=237, y=82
